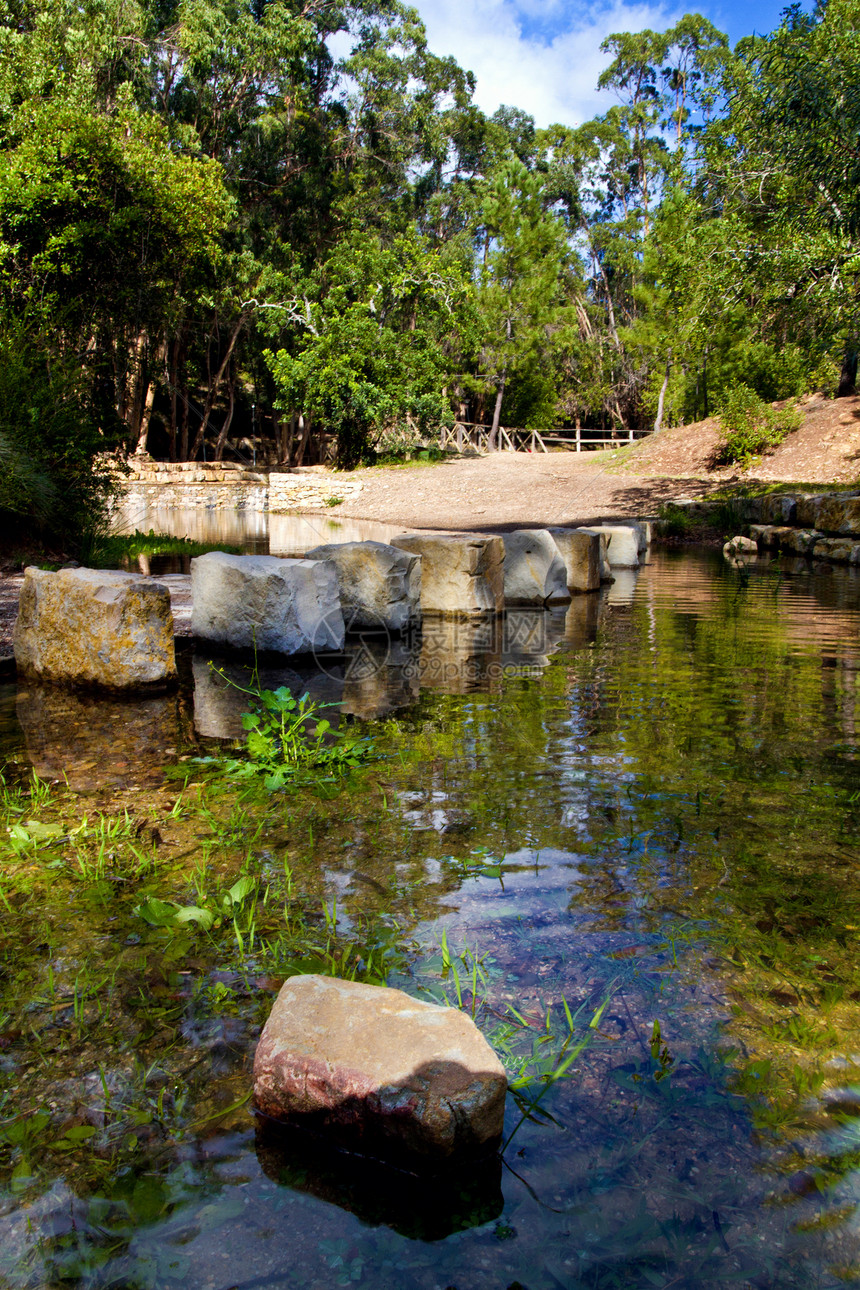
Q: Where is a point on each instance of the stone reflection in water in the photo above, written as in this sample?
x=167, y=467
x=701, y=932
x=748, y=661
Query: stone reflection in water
x=380, y=676
x=623, y=589
x=221, y=696
x=425, y=1208
x=583, y=619
x=529, y=636
x=460, y=655
x=98, y=740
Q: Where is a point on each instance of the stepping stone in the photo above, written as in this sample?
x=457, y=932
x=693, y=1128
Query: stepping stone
x=622, y=545
x=94, y=627
x=261, y=602
x=380, y=585
x=535, y=573
x=581, y=552
x=460, y=576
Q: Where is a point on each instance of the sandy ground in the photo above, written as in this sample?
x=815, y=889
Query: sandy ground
x=515, y=490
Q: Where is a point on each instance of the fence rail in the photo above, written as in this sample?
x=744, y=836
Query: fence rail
x=470, y=434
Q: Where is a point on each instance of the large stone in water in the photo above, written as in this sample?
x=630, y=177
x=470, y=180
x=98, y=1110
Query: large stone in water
x=642, y=529
x=460, y=576
x=92, y=627
x=605, y=568
x=261, y=602
x=535, y=573
x=622, y=549
x=581, y=553
x=379, y=1071
x=778, y=508
x=841, y=550
x=380, y=585
x=800, y=541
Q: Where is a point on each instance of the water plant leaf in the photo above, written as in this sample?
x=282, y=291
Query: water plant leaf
x=204, y=918
x=241, y=889
x=158, y=913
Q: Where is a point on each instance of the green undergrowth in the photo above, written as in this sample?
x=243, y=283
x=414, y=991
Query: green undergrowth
x=112, y=550
x=750, y=427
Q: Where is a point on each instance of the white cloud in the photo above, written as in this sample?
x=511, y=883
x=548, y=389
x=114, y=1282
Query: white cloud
x=554, y=78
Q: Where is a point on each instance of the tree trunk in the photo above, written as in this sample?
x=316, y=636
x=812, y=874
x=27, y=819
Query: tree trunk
x=497, y=413
x=658, y=424
x=222, y=436
x=848, y=375
x=212, y=392
x=145, y=417
x=304, y=432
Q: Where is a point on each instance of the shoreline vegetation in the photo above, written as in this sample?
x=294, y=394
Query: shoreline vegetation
x=349, y=255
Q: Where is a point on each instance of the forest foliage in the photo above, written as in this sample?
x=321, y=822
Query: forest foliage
x=284, y=228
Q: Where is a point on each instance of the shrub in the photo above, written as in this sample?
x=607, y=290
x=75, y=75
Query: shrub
x=53, y=475
x=750, y=426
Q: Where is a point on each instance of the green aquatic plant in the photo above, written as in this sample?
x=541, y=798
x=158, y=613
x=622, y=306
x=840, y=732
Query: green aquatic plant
x=288, y=740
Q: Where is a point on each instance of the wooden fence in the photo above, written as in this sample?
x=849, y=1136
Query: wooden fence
x=468, y=434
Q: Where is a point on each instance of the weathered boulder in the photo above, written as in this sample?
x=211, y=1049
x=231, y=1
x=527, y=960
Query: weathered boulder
x=380, y=585
x=841, y=550
x=799, y=541
x=778, y=508
x=261, y=602
x=460, y=576
x=806, y=511
x=92, y=627
x=535, y=573
x=622, y=545
x=581, y=554
x=605, y=569
x=838, y=514
x=379, y=1071
x=739, y=546
x=764, y=535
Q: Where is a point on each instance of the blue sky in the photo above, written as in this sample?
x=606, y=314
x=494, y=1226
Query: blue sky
x=544, y=55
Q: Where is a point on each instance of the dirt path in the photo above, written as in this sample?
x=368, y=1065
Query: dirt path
x=513, y=490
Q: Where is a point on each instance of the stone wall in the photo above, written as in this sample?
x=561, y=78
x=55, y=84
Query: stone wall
x=228, y=486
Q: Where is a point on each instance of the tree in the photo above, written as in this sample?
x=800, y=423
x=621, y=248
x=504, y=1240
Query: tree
x=368, y=329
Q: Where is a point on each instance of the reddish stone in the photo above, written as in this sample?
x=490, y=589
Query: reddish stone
x=379, y=1071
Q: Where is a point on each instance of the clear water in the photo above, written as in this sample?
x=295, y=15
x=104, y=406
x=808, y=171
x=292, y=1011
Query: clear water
x=648, y=801
x=253, y=531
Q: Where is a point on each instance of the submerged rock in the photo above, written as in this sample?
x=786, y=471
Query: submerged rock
x=535, y=573
x=261, y=602
x=379, y=1071
x=380, y=585
x=94, y=627
x=460, y=576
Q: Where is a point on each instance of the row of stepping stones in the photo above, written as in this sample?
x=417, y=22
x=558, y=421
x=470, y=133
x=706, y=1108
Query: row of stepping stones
x=115, y=630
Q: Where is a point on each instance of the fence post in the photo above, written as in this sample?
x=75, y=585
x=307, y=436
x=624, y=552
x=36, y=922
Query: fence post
x=578, y=439
x=630, y=434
